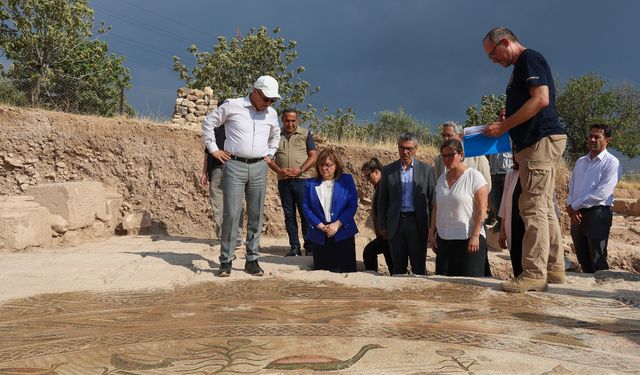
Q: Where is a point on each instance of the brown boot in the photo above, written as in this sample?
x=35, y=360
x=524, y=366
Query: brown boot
x=555, y=277
x=524, y=284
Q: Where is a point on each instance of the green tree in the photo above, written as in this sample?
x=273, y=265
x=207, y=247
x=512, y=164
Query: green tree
x=490, y=105
x=586, y=100
x=232, y=66
x=56, y=60
x=388, y=125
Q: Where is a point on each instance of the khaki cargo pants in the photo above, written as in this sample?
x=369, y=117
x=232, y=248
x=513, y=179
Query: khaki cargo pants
x=541, y=245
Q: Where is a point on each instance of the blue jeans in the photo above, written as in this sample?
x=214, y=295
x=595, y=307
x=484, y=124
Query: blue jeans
x=292, y=196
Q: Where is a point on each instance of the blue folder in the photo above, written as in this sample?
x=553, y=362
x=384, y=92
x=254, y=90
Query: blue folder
x=480, y=144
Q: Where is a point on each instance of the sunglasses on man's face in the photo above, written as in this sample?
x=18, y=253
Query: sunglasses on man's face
x=265, y=99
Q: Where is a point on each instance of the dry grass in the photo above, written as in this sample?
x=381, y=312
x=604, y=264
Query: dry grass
x=424, y=150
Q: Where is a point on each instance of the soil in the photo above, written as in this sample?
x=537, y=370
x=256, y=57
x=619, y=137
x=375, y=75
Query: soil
x=156, y=168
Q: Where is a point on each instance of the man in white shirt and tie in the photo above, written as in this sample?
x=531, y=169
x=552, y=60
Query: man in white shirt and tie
x=252, y=137
x=590, y=198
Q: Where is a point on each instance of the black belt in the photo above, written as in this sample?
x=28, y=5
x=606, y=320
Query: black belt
x=407, y=214
x=592, y=208
x=246, y=160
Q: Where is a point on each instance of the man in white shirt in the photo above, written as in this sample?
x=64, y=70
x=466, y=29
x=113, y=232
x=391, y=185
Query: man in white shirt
x=252, y=137
x=590, y=198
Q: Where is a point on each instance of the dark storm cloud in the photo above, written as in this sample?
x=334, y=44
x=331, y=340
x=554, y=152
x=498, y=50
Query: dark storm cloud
x=423, y=56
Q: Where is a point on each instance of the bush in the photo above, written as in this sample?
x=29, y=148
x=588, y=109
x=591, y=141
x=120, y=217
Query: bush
x=10, y=95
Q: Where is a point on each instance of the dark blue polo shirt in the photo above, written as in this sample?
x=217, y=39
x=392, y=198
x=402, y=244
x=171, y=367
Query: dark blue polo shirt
x=531, y=69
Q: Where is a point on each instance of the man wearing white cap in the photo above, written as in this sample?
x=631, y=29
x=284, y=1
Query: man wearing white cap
x=253, y=135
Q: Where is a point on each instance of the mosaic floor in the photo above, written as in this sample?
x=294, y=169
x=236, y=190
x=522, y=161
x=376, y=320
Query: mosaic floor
x=272, y=326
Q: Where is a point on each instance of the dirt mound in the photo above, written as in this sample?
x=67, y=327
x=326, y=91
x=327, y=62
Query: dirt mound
x=154, y=166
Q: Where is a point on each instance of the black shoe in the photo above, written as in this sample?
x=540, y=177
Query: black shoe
x=308, y=251
x=295, y=251
x=224, y=270
x=253, y=268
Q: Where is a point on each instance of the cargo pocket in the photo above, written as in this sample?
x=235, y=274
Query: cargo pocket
x=539, y=175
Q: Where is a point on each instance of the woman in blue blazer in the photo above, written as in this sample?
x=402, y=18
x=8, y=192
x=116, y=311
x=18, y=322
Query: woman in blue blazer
x=330, y=204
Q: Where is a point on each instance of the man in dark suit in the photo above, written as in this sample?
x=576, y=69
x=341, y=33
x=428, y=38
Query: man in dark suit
x=405, y=199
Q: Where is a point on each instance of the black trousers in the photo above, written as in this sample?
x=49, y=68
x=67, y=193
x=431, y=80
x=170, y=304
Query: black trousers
x=454, y=258
x=591, y=237
x=409, y=244
x=370, y=254
x=335, y=256
x=517, y=232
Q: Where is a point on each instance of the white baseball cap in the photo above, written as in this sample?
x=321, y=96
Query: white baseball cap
x=268, y=85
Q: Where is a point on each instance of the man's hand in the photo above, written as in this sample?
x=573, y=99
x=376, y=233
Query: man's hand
x=221, y=155
x=294, y=172
x=494, y=130
x=433, y=243
x=576, y=218
x=204, y=181
x=502, y=238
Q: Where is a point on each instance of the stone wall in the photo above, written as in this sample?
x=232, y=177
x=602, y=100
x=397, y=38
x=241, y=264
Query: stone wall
x=192, y=105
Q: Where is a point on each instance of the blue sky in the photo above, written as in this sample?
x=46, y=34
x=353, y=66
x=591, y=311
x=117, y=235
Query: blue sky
x=424, y=56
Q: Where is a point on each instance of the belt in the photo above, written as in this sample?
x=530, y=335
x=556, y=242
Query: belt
x=246, y=160
x=592, y=208
x=407, y=214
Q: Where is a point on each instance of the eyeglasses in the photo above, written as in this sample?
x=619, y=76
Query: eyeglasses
x=264, y=98
x=402, y=148
x=446, y=156
x=328, y=165
x=493, y=51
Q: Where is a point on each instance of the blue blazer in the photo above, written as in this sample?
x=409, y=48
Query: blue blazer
x=344, y=203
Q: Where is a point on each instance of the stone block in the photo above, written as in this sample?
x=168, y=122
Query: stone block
x=136, y=221
x=621, y=205
x=183, y=91
x=79, y=203
x=23, y=223
x=113, y=202
x=634, y=209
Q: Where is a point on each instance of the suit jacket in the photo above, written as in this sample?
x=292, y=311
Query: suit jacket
x=344, y=203
x=390, y=197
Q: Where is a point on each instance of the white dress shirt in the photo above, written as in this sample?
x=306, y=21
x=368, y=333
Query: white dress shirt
x=593, y=181
x=249, y=133
x=325, y=194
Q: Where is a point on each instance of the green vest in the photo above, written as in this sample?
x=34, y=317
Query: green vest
x=292, y=152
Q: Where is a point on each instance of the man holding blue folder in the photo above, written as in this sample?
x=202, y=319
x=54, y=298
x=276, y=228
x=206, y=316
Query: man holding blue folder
x=539, y=141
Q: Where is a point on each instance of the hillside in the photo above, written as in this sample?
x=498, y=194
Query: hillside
x=156, y=167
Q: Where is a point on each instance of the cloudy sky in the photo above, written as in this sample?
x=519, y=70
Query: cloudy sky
x=425, y=56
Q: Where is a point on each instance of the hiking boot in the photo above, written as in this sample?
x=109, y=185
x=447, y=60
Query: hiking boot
x=295, y=251
x=555, y=277
x=224, y=270
x=524, y=284
x=253, y=268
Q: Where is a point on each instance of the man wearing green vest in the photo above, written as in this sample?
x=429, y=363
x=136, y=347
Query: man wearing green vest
x=293, y=162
